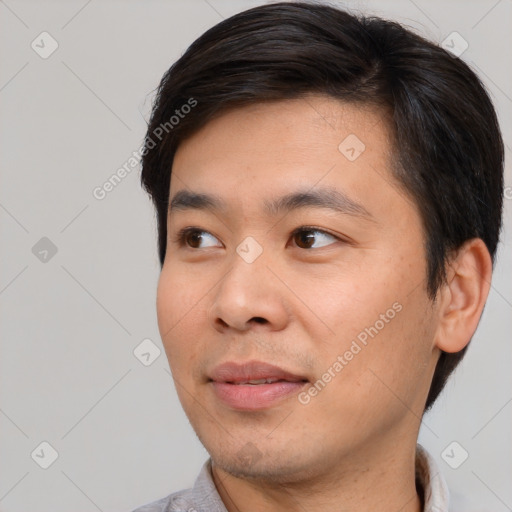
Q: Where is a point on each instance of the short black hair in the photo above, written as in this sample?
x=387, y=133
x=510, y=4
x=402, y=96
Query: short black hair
x=447, y=142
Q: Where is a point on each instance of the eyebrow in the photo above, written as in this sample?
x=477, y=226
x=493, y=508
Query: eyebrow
x=325, y=198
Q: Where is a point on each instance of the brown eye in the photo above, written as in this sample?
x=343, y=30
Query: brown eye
x=193, y=238
x=305, y=238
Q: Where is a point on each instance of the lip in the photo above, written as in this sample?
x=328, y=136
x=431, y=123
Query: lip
x=230, y=384
x=252, y=370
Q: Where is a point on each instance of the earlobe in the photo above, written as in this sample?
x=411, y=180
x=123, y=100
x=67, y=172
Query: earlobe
x=463, y=296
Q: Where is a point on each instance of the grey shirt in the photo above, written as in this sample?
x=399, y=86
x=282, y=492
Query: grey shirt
x=203, y=497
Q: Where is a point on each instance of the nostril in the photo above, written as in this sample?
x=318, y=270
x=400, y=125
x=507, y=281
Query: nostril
x=222, y=323
x=259, y=320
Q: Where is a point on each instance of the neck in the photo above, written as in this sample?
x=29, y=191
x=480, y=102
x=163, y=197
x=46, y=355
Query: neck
x=386, y=484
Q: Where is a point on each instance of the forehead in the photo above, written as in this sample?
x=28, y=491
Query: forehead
x=270, y=149
x=278, y=134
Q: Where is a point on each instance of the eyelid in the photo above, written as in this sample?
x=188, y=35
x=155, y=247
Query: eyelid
x=339, y=238
x=179, y=238
x=314, y=228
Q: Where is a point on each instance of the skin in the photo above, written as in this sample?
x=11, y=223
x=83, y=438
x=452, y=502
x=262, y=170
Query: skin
x=352, y=446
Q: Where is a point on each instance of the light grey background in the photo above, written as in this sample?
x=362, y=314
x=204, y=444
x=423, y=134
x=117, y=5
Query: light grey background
x=69, y=325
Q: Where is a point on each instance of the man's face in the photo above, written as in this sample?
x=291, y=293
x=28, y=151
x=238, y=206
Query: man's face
x=335, y=297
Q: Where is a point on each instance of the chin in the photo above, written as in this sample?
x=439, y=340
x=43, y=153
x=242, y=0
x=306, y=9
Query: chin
x=251, y=463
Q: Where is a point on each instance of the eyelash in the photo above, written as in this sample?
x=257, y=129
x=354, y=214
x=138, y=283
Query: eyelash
x=181, y=236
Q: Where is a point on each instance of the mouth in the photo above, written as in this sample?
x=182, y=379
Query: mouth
x=257, y=382
x=254, y=385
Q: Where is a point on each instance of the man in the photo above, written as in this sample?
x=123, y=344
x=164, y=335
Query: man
x=328, y=195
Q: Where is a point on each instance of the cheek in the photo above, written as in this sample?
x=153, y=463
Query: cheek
x=348, y=298
x=378, y=381
x=377, y=311
x=180, y=313
x=178, y=296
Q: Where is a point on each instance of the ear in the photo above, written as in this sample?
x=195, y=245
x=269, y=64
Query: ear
x=462, y=297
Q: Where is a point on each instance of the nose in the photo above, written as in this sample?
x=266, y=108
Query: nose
x=248, y=296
